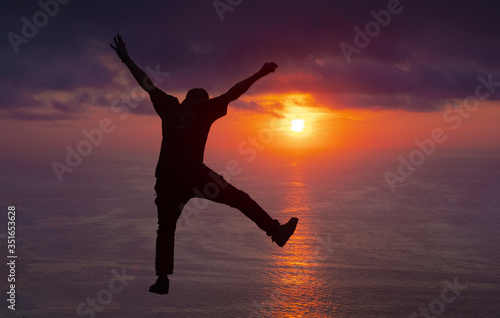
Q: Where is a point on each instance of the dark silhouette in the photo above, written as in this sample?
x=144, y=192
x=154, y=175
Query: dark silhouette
x=180, y=172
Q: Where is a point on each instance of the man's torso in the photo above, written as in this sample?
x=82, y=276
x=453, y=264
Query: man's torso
x=185, y=129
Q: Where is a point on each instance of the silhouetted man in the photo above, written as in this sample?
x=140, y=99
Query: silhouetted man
x=180, y=172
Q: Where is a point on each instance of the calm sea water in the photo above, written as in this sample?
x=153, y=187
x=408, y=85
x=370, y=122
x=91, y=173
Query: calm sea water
x=429, y=248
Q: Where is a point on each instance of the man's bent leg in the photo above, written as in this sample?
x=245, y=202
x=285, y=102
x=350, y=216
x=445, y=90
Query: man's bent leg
x=216, y=189
x=242, y=201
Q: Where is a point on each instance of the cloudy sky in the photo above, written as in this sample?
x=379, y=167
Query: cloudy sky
x=392, y=70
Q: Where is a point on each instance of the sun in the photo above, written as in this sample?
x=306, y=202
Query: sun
x=297, y=125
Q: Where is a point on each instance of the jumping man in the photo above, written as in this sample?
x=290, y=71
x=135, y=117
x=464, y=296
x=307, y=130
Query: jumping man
x=180, y=172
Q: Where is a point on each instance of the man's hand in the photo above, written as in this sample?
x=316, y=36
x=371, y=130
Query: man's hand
x=139, y=75
x=268, y=68
x=120, y=48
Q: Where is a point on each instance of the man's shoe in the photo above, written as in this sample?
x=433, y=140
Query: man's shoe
x=284, y=232
x=161, y=286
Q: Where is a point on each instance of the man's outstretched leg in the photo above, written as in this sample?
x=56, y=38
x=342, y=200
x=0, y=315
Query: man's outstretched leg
x=242, y=201
x=228, y=194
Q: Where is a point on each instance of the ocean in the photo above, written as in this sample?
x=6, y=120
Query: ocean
x=429, y=247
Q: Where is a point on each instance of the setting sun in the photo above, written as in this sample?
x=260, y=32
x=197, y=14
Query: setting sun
x=297, y=125
x=299, y=122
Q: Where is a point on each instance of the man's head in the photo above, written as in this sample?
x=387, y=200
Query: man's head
x=196, y=96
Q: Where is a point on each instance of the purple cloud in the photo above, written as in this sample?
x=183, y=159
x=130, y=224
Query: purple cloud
x=431, y=52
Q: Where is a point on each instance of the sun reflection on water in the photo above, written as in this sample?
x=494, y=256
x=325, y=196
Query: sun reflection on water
x=299, y=278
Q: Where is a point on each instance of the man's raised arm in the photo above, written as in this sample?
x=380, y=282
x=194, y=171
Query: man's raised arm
x=140, y=76
x=240, y=88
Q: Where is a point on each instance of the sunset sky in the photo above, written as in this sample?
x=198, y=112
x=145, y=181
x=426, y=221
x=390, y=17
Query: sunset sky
x=360, y=74
x=379, y=130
